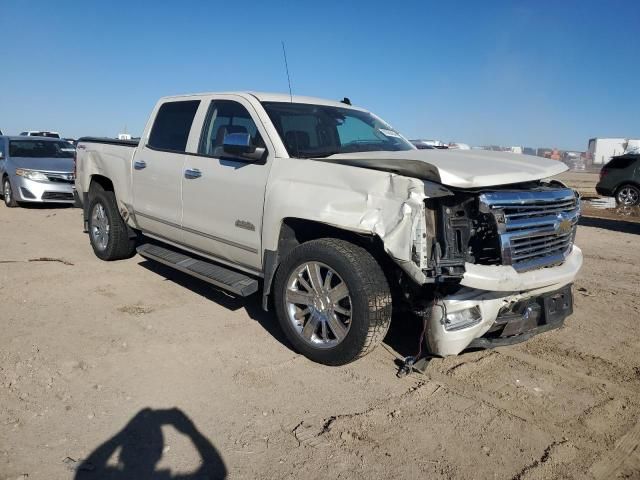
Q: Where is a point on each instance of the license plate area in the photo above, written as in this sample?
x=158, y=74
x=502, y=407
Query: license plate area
x=558, y=305
x=547, y=309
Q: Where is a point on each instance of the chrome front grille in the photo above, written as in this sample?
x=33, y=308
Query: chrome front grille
x=535, y=228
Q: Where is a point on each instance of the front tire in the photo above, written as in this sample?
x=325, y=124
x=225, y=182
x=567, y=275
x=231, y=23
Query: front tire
x=628, y=195
x=108, y=233
x=7, y=192
x=332, y=300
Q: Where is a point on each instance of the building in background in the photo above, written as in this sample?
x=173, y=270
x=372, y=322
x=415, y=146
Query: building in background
x=601, y=150
x=544, y=152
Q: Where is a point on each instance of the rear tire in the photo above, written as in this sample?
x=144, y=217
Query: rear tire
x=7, y=192
x=363, y=305
x=108, y=233
x=628, y=195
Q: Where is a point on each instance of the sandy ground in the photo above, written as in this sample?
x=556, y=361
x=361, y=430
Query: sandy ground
x=116, y=370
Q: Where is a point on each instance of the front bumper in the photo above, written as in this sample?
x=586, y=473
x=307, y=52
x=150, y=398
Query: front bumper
x=604, y=191
x=495, y=292
x=25, y=190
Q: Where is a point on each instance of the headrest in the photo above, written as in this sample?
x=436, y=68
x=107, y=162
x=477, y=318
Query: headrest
x=297, y=140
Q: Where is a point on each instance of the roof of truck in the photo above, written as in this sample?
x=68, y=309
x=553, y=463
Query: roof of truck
x=273, y=97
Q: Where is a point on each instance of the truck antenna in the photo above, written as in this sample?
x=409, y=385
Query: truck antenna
x=286, y=66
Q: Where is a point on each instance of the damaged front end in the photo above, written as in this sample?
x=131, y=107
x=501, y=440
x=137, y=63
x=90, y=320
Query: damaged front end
x=490, y=260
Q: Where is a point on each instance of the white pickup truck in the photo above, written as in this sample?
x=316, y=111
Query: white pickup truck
x=338, y=220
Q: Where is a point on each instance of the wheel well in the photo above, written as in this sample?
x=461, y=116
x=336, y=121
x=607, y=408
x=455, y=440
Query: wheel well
x=295, y=231
x=102, y=181
x=626, y=182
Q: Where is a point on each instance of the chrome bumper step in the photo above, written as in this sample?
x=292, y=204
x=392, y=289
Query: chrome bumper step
x=222, y=277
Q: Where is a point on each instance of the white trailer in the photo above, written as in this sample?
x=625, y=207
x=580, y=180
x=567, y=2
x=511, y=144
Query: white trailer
x=602, y=149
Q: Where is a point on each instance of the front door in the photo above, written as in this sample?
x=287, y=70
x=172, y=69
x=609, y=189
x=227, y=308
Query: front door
x=223, y=195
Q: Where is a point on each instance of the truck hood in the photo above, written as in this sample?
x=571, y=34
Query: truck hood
x=62, y=165
x=455, y=168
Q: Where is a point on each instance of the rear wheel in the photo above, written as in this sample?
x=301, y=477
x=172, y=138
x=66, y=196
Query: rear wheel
x=107, y=231
x=628, y=196
x=7, y=192
x=332, y=300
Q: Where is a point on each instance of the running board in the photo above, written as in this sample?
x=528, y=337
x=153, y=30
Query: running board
x=222, y=277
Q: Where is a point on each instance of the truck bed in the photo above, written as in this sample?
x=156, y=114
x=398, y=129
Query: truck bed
x=109, y=141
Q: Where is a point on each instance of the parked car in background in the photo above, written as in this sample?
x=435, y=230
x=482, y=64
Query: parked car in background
x=428, y=144
x=620, y=178
x=36, y=170
x=422, y=144
x=458, y=146
x=40, y=133
x=337, y=217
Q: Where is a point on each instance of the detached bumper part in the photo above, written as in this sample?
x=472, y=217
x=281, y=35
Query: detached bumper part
x=527, y=319
x=479, y=319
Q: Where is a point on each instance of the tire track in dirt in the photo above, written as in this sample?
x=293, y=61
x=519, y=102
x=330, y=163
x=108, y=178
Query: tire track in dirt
x=624, y=460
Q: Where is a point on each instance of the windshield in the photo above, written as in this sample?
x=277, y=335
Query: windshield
x=319, y=131
x=40, y=149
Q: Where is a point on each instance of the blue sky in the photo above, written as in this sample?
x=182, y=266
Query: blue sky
x=532, y=73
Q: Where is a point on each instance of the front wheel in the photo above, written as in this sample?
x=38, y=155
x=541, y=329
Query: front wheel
x=628, y=196
x=107, y=231
x=7, y=192
x=333, y=301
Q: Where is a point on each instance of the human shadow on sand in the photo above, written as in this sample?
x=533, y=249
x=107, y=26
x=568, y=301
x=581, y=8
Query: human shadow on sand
x=140, y=446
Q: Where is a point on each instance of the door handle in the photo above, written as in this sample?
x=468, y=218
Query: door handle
x=192, y=173
x=139, y=164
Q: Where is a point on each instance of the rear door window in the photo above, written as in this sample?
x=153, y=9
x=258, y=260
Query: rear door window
x=621, y=162
x=172, y=125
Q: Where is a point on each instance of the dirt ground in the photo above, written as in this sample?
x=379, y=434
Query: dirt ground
x=117, y=370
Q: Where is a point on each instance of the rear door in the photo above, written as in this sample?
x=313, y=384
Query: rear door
x=157, y=170
x=223, y=195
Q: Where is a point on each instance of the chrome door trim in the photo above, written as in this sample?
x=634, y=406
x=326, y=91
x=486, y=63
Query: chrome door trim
x=201, y=234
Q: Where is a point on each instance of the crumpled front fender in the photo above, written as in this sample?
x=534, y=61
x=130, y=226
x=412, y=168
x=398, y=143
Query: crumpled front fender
x=365, y=201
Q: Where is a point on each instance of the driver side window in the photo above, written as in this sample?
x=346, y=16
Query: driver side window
x=225, y=117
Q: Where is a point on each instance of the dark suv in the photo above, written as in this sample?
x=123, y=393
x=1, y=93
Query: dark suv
x=620, y=178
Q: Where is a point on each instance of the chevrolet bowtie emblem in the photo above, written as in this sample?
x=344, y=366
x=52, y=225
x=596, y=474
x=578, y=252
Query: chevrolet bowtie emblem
x=564, y=226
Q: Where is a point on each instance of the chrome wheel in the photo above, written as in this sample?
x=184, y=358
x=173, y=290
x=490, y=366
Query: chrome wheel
x=99, y=227
x=628, y=195
x=318, y=305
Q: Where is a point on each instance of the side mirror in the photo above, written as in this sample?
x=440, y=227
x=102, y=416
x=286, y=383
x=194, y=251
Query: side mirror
x=239, y=144
x=1, y=156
